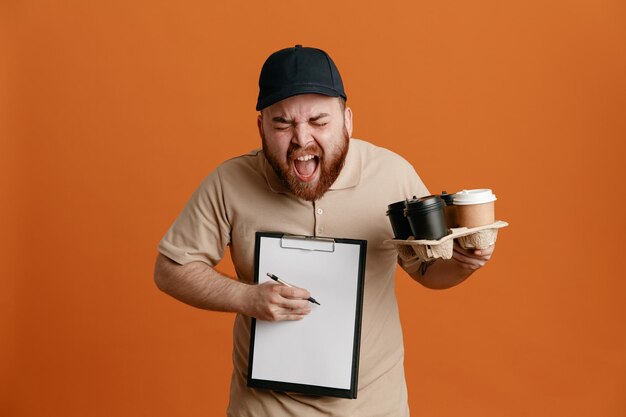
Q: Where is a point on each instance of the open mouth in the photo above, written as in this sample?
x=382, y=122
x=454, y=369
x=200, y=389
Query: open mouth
x=306, y=167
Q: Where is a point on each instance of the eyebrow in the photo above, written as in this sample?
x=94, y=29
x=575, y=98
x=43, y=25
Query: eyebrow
x=281, y=119
x=319, y=116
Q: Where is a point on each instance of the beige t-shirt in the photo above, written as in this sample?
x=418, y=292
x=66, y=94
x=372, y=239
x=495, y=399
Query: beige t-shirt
x=243, y=196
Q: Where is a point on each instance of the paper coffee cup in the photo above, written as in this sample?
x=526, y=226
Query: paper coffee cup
x=475, y=207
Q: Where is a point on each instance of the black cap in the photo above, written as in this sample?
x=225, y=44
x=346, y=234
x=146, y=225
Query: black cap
x=298, y=70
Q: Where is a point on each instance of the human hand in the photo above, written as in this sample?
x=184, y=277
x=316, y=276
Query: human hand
x=275, y=302
x=471, y=259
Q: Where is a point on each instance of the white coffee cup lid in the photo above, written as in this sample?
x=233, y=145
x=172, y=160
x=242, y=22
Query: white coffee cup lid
x=467, y=197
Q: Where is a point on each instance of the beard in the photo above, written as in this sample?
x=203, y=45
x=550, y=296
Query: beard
x=330, y=166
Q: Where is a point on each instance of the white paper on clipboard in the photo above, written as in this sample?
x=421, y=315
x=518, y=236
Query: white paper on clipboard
x=318, y=354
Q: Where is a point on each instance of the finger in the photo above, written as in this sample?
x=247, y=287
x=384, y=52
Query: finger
x=281, y=313
x=294, y=293
x=293, y=305
x=485, y=253
x=482, y=254
x=467, y=261
x=275, y=312
x=464, y=254
x=477, y=254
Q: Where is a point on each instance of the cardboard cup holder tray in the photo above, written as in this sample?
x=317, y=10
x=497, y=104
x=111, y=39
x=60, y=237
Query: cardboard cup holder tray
x=469, y=238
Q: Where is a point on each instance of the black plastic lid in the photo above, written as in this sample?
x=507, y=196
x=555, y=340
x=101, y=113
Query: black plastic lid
x=430, y=201
x=396, y=206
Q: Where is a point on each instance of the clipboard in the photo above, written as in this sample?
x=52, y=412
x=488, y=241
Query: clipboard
x=318, y=355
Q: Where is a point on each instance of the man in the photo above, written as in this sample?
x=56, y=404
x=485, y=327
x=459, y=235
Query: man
x=310, y=178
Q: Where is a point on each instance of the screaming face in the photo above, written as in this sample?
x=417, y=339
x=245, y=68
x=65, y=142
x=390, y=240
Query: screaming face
x=308, y=172
x=305, y=139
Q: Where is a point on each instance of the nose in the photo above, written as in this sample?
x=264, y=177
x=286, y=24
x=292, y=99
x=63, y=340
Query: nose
x=302, y=135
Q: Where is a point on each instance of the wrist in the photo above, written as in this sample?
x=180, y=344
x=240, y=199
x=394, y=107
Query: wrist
x=243, y=296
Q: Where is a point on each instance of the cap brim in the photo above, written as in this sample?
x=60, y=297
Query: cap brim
x=294, y=90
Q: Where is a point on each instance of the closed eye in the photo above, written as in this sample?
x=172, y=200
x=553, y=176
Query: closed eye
x=321, y=119
x=280, y=123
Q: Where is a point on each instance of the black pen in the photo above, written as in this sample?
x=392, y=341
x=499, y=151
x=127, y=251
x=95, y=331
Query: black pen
x=280, y=281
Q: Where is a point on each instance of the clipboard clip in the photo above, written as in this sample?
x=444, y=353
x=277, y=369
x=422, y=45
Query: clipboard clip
x=307, y=243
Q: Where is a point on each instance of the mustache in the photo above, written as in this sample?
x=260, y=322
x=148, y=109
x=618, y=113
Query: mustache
x=295, y=151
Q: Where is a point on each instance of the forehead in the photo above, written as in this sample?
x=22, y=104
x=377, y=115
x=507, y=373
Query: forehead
x=304, y=105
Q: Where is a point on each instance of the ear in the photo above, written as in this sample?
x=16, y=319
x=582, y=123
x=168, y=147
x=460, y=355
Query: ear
x=259, y=124
x=348, y=120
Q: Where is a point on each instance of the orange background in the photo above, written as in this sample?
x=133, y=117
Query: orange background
x=112, y=113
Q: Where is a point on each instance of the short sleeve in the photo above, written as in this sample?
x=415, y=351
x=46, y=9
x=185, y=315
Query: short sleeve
x=412, y=184
x=201, y=232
